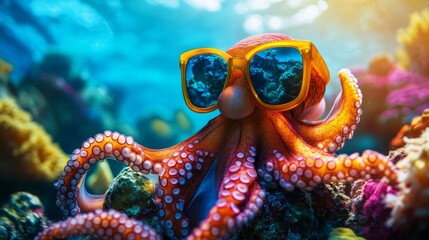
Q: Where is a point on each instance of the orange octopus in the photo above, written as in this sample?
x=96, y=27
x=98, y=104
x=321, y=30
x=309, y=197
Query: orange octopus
x=210, y=184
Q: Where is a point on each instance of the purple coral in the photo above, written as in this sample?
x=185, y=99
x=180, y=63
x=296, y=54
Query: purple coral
x=370, y=210
x=409, y=97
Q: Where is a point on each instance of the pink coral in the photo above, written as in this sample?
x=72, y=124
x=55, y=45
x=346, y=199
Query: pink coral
x=370, y=210
x=409, y=95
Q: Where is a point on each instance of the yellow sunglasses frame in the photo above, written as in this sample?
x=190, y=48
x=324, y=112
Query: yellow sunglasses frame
x=311, y=58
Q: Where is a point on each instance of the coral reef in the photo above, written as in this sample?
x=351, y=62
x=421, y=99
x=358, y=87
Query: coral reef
x=208, y=77
x=27, y=151
x=58, y=82
x=410, y=212
x=276, y=79
x=294, y=215
x=414, y=53
x=395, y=90
x=22, y=217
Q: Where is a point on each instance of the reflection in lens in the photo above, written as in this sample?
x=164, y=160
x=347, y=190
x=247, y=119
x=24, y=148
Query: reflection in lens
x=276, y=74
x=205, y=78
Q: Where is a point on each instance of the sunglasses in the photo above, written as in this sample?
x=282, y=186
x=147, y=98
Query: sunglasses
x=277, y=73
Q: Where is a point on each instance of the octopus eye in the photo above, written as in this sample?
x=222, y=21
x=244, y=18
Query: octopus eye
x=205, y=78
x=277, y=74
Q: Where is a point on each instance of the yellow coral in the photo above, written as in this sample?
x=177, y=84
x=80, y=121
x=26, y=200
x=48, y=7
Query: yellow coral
x=411, y=204
x=414, y=54
x=343, y=234
x=26, y=150
x=161, y=127
x=101, y=178
x=183, y=121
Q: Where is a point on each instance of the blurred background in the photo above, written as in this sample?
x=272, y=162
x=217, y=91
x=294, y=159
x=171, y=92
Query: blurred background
x=71, y=69
x=122, y=56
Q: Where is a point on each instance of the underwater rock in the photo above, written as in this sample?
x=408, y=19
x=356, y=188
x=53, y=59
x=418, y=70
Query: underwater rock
x=410, y=206
x=300, y=214
x=132, y=193
x=22, y=217
x=28, y=152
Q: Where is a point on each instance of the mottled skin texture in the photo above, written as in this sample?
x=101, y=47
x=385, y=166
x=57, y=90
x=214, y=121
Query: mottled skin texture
x=231, y=156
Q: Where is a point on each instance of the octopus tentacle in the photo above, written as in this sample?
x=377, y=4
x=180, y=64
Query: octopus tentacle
x=182, y=172
x=330, y=134
x=240, y=198
x=71, y=198
x=300, y=165
x=308, y=171
x=100, y=224
x=177, y=181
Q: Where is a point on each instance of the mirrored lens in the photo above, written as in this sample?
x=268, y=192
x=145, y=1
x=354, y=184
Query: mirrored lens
x=205, y=78
x=276, y=74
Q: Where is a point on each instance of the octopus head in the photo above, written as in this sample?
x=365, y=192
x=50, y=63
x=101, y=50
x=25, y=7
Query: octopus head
x=236, y=101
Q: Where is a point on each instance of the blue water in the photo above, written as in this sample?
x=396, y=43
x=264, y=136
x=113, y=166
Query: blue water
x=133, y=46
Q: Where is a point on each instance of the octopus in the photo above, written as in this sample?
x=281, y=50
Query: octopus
x=212, y=183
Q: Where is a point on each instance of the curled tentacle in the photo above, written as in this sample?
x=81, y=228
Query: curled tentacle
x=178, y=179
x=308, y=171
x=239, y=199
x=300, y=165
x=329, y=135
x=100, y=224
x=71, y=198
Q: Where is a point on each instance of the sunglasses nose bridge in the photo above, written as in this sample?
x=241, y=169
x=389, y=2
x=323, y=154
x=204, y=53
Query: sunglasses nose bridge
x=237, y=71
x=239, y=64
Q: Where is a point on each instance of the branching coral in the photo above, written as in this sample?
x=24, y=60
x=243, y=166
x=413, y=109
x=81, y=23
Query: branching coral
x=414, y=54
x=27, y=151
x=410, y=211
